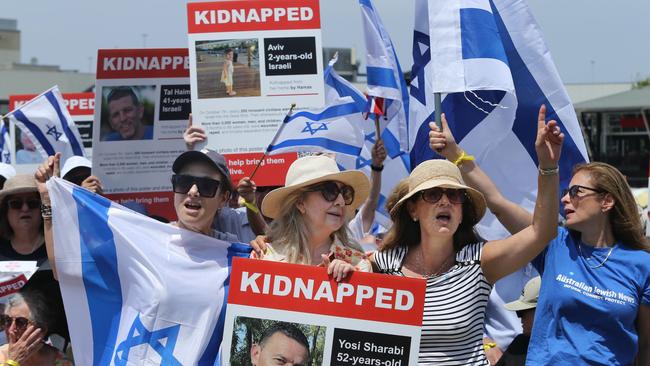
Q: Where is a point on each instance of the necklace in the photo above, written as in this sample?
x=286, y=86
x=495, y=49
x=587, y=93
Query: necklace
x=590, y=257
x=435, y=274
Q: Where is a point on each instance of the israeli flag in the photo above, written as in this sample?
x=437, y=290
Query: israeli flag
x=495, y=122
x=385, y=77
x=5, y=145
x=394, y=168
x=46, y=121
x=137, y=291
x=336, y=129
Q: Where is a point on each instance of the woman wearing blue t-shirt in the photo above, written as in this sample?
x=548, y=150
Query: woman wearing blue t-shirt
x=594, y=304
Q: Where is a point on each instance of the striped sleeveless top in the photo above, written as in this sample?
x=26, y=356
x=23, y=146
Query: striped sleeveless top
x=454, y=308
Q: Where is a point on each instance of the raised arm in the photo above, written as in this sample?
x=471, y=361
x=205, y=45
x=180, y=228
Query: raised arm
x=512, y=216
x=246, y=190
x=378, y=156
x=502, y=257
x=49, y=168
x=193, y=135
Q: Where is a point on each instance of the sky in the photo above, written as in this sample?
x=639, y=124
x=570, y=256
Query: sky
x=590, y=40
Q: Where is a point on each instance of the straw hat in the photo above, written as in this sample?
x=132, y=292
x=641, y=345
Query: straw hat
x=310, y=170
x=444, y=174
x=528, y=298
x=21, y=183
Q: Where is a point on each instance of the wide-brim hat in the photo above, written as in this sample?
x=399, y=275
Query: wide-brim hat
x=21, y=183
x=210, y=157
x=443, y=174
x=310, y=170
x=528, y=298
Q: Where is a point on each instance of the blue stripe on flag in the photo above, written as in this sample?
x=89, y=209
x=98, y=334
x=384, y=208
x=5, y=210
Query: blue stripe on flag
x=328, y=144
x=381, y=76
x=76, y=149
x=480, y=36
x=344, y=90
x=338, y=110
x=99, y=269
x=38, y=134
x=366, y=3
x=211, y=351
x=391, y=144
x=530, y=97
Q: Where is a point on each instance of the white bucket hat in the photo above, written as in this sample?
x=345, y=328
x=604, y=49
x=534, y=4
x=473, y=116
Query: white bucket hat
x=310, y=170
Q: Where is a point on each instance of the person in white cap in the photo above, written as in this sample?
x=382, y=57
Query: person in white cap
x=6, y=172
x=310, y=215
x=77, y=169
x=525, y=306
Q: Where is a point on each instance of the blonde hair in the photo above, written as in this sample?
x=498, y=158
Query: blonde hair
x=288, y=232
x=624, y=217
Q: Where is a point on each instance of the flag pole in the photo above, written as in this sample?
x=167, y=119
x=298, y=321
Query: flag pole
x=437, y=104
x=259, y=163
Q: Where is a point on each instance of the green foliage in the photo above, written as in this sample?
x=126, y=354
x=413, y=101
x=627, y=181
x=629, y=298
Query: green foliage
x=641, y=84
x=248, y=331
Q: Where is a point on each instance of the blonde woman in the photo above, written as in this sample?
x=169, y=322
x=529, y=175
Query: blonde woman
x=310, y=215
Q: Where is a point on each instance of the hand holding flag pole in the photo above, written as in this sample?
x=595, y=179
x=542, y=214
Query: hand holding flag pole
x=293, y=105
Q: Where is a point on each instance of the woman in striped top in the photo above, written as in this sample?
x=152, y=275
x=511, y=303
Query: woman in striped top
x=433, y=238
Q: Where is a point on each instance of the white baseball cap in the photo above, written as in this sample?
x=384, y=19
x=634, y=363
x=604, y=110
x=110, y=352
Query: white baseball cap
x=7, y=171
x=74, y=162
x=528, y=298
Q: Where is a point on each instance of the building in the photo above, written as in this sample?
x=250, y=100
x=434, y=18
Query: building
x=21, y=78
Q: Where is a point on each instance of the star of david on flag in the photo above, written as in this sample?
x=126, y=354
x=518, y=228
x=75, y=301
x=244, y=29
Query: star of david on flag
x=48, y=124
x=163, y=341
x=336, y=128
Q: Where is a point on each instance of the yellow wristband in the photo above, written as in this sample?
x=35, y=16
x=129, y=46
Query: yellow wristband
x=487, y=346
x=12, y=363
x=463, y=157
x=251, y=207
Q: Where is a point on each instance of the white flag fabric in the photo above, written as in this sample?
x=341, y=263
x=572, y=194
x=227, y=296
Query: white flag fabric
x=137, y=291
x=506, y=154
x=5, y=145
x=335, y=128
x=47, y=122
x=385, y=77
x=394, y=168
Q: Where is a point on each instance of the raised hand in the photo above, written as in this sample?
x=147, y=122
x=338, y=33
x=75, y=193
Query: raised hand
x=246, y=189
x=548, y=143
x=378, y=153
x=93, y=184
x=49, y=168
x=443, y=142
x=193, y=135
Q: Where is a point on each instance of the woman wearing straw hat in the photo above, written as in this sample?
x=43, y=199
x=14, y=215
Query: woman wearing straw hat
x=594, y=305
x=21, y=226
x=433, y=238
x=310, y=215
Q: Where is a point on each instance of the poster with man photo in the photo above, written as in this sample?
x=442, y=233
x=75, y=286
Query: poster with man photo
x=127, y=113
x=265, y=342
x=228, y=68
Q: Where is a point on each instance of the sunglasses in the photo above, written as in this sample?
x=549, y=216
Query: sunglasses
x=6, y=321
x=183, y=183
x=330, y=191
x=17, y=203
x=433, y=195
x=575, y=189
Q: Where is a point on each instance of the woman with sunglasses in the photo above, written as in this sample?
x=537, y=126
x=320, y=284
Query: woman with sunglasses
x=433, y=238
x=25, y=323
x=310, y=215
x=21, y=227
x=594, y=304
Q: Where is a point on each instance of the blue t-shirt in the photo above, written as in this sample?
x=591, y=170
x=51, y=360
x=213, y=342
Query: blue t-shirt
x=588, y=315
x=115, y=136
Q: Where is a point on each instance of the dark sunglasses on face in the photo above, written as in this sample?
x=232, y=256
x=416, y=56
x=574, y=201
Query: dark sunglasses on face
x=6, y=321
x=575, y=189
x=330, y=191
x=17, y=203
x=433, y=195
x=183, y=183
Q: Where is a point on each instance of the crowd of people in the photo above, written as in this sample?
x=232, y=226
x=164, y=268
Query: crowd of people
x=589, y=305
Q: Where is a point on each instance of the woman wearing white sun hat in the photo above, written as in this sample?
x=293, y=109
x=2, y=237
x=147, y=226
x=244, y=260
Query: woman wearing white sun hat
x=311, y=213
